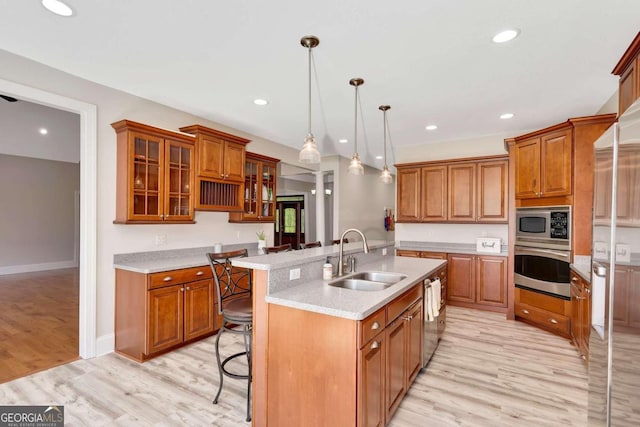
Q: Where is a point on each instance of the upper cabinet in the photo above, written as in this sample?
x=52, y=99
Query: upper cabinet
x=155, y=175
x=464, y=190
x=259, y=190
x=543, y=165
x=220, y=169
x=628, y=68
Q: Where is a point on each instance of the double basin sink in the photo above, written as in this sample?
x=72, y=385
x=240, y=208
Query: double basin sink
x=368, y=281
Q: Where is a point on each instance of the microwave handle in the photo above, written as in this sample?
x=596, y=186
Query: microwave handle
x=562, y=256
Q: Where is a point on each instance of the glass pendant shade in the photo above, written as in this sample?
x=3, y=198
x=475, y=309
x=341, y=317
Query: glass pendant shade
x=355, y=166
x=385, y=176
x=309, y=153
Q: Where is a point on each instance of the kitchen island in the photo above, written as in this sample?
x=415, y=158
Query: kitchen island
x=325, y=355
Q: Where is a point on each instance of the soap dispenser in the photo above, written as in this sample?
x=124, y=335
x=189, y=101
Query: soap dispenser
x=327, y=270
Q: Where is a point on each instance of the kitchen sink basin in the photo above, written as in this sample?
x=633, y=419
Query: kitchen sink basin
x=379, y=276
x=360, y=284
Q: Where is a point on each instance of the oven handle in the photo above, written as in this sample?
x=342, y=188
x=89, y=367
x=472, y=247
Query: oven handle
x=548, y=253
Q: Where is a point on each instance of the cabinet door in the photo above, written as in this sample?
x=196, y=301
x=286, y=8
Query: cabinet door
x=555, y=172
x=414, y=341
x=527, y=157
x=412, y=254
x=179, y=179
x=585, y=317
x=621, y=296
x=234, y=155
x=409, y=195
x=268, y=194
x=146, y=172
x=576, y=324
x=251, y=189
x=371, y=383
x=433, y=193
x=198, y=309
x=395, y=384
x=461, y=278
x=491, y=281
x=634, y=297
x=165, y=318
x=602, y=179
x=462, y=192
x=628, y=87
x=211, y=157
x=492, y=191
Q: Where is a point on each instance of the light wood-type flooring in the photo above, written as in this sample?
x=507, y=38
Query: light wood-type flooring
x=487, y=371
x=38, y=321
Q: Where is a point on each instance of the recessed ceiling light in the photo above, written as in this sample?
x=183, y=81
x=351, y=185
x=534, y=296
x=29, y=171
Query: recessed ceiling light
x=378, y=157
x=343, y=140
x=506, y=35
x=431, y=127
x=260, y=101
x=57, y=7
x=43, y=131
x=506, y=116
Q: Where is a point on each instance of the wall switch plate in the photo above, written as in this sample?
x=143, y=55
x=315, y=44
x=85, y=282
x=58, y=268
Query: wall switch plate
x=384, y=251
x=623, y=253
x=600, y=251
x=294, y=274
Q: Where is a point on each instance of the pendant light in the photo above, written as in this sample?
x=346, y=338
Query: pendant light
x=355, y=166
x=309, y=153
x=385, y=175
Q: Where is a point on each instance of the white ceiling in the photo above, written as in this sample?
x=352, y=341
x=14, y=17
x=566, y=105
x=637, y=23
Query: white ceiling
x=432, y=61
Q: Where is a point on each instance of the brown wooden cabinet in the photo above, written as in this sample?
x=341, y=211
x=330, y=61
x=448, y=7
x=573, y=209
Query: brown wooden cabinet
x=478, y=281
x=580, y=314
x=626, y=299
x=161, y=311
x=628, y=187
x=628, y=68
x=220, y=167
x=543, y=311
x=259, y=190
x=371, y=379
x=462, y=190
x=543, y=165
x=155, y=175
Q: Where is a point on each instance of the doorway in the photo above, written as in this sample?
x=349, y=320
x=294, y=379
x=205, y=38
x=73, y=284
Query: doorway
x=289, y=224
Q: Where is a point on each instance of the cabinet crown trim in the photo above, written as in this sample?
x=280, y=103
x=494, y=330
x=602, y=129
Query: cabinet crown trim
x=568, y=125
x=262, y=157
x=123, y=125
x=199, y=129
x=448, y=161
x=629, y=55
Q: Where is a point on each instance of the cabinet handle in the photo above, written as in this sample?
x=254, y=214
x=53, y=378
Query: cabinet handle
x=199, y=273
x=375, y=326
x=583, y=357
x=554, y=321
x=587, y=290
x=167, y=279
x=221, y=175
x=375, y=344
x=188, y=288
x=407, y=318
x=574, y=279
x=525, y=311
x=579, y=298
x=181, y=289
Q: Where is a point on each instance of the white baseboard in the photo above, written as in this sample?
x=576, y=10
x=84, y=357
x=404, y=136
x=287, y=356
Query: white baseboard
x=28, y=268
x=105, y=344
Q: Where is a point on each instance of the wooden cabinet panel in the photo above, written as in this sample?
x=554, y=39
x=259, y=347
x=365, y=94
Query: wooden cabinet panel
x=492, y=198
x=403, y=252
x=491, y=277
x=211, y=157
x=462, y=192
x=259, y=190
x=198, y=309
x=461, y=278
x=628, y=89
x=555, y=173
x=172, y=277
x=396, y=336
x=234, y=158
x=165, y=318
x=580, y=314
x=543, y=311
x=409, y=201
x=371, y=371
x=434, y=193
x=634, y=297
x=527, y=164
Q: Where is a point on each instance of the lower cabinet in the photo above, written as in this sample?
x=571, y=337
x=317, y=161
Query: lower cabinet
x=543, y=311
x=161, y=311
x=626, y=300
x=580, y=314
x=371, y=378
x=478, y=281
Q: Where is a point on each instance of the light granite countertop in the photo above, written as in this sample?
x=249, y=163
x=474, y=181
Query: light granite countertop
x=451, y=248
x=583, y=270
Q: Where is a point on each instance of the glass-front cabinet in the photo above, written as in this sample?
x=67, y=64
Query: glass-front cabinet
x=259, y=190
x=155, y=174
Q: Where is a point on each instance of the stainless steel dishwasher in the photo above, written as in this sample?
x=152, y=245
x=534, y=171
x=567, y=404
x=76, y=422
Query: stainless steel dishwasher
x=430, y=329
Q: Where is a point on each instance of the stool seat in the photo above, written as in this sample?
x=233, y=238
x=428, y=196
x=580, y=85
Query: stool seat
x=239, y=309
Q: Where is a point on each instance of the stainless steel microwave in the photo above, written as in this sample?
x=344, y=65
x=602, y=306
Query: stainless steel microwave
x=544, y=227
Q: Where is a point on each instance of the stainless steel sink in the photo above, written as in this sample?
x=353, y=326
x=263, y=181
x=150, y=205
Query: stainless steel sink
x=360, y=284
x=379, y=276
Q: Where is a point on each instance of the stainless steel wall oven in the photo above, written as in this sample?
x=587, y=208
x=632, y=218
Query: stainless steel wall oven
x=543, y=250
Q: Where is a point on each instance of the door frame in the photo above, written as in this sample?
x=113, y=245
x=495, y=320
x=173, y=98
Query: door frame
x=87, y=318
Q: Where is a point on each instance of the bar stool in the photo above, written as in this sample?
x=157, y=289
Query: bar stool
x=280, y=248
x=337, y=241
x=311, y=245
x=236, y=307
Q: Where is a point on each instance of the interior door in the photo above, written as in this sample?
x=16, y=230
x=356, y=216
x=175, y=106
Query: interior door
x=289, y=223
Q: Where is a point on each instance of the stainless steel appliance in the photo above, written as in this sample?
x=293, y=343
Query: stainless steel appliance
x=430, y=329
x=543, y=250
x=614, y=341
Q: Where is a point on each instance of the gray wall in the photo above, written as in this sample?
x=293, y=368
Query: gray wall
x=37, y=213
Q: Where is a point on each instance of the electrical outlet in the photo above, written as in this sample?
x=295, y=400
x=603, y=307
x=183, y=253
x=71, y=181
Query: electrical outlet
x=161, y=239
x=294, y=274
x=623, y=253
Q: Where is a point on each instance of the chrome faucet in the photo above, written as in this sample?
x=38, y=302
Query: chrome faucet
x=365, y=247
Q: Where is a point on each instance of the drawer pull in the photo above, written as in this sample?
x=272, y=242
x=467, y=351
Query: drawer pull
x=181, y=289
x=375, y=344
x=199, y=273
x=407, y=318
x=554, y=321
x=167, y=279
x=375, y=326
x=579, y=298
x=574, y=279
x=587, y=290
x=188, y=288
x=525, y=311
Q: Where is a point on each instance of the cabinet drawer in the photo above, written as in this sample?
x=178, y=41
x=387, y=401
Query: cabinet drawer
x=541, y=301
x=172, y=277
x=547, y=319
x=403, y=302
x=372, y=326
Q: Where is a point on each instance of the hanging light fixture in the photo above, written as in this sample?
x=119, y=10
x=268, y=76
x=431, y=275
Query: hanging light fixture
x=385, y=175
x=309, y=153
x=355, y=167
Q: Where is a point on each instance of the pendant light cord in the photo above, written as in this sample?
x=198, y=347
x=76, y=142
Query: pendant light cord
x=385, y=138
x=309, y=121
x=355, y=136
